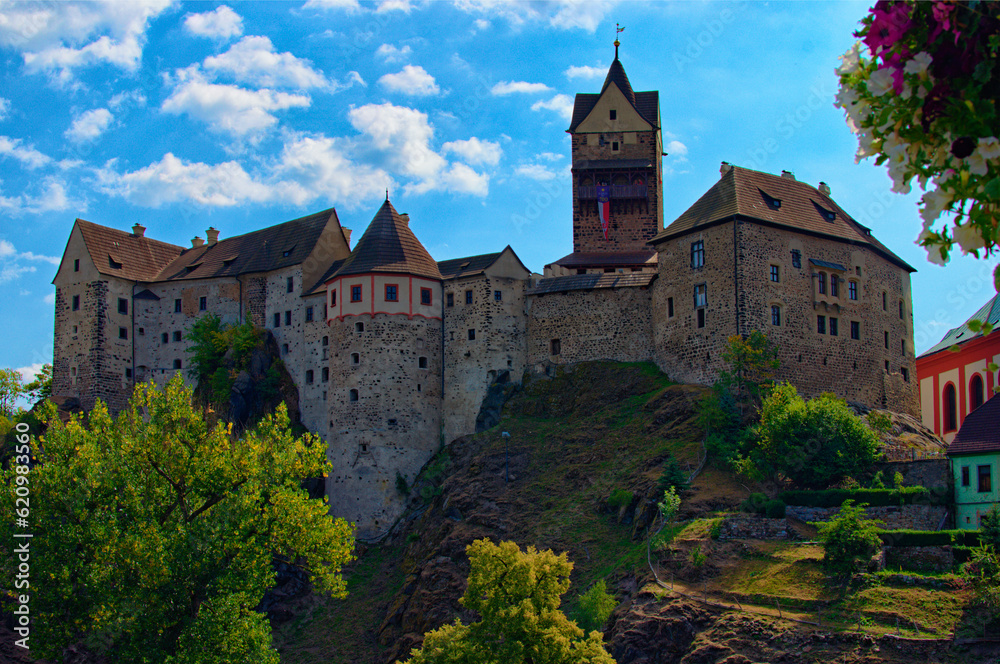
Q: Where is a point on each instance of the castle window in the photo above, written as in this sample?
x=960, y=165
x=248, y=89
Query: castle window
x=76, y=265
x=288, y=318
x=203, y=303
x=834, y=286
x=701, y=318
x=821, y=324
x=555, y=347
x=852, y=290
x=177, y=335
x=177, y=306
x=796, y=258
x=420, y=387
x=165, y=337
x=359, y=327
x=355, y=358
x=177, y=364
x=309, y=376
x=857, y=270
x=472, y=335
x=855, y=329
x=355, y=293
x=425, y=296
x=950, y=408
x=985, y=478
x=976, y=391
x=122, y=306
x=613, y=115
x=333, y=298
x=821, y=283
x=906, y=374
x=834, y=326
x=128, y=372
x=352, y=395
x=884, y=307
x=775, y=274
x=76, y=303
x=887, y=366
x=697, y=254
x=122, y=333
x=309, y=314
x=326, y=341
x=289, y=285
x=277, y=319
x=902, y=346
x=450, y=299
x=142, y=331
x=775, y=315
x=886, y=339
x=468, y=297
x=900, y=310
x=701, y=295
x=498, y=295
x=965, y=476
x=670, y=307
x=391, y=293
x=75, y=329
x=614, y=146
x=422, y=362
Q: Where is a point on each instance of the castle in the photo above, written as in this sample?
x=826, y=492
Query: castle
x=393, y=352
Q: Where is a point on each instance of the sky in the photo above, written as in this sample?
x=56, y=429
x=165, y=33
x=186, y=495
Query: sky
x=183, y=116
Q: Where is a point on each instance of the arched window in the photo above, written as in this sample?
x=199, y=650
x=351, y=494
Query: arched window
x=950, y=408
x=976, y=393
x=822, y=283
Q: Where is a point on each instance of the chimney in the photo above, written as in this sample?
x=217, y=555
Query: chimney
x=196, y=242
x=788, y=174
x=212, y=235
x=347, y=236
x=725, y=168
x=406, y=218
x=824, y=188
x=138, y=230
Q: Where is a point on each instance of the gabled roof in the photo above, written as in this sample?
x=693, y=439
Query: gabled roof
x=389, y=246
x=606, y=258
x=646, y=104
x=778, y=201
x=471, y=266
x=988, y=313
x=979, y=432
x=591, y=281
x=126, y=255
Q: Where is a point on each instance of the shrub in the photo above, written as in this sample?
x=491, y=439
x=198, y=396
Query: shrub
x=754, y=504
x=670, y=505
x=774, y=509
x=849, y=539
x=620, y=497
x=911, y=495
x=673, y=475
x=595, y=606
x=904, y=538
x=989, y=528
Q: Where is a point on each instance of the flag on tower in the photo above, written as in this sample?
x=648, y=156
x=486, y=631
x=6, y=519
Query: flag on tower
x=604, y=206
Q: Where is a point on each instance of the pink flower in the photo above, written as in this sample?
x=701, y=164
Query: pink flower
x=942, y=15
x=888, y=26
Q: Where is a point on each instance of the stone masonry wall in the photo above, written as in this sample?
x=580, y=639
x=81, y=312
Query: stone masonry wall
x=750, y=526
x=902, y=517
x=600, y=324
x=920, y=558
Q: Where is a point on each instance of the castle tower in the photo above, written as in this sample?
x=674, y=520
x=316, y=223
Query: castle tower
x=617, y=178
x=384, y=310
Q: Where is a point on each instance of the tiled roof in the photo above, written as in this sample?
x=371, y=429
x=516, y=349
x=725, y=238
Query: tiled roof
x=455, y=268
x=320, y=285
x=773, y=199
x=390, y=246
x=979, y=432
x=125, y=255
x=616, y=75
x=590, y=282
x=988, y=313
x=827, y=264
x=601, y=258
x=268, y=249
x=647, y=104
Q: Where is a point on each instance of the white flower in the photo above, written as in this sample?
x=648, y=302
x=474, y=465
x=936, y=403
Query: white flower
x=934, y=201
x=918, y=64
x=969, y=237
x=977, y=165
x=867, y=145
x=989, y=147
x=936, y=255
x=850, y=60
x=880, y=82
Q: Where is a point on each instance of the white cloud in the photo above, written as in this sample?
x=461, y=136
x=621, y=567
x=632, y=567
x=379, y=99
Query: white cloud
x=412, y=80
x=559, y=14
x=171, y=180
x=394, y=6
x=481, y=24
x=510, y=87
x=586, y=72
x=550, y=156
x=676, y=149
x=4, y=108
x=317, y=167
x=536, y=172
x=29, y=156
x=127, y=98
x=49, y=299
x=12, y=261
x=51, y=198
x=89, y=125
x=391, y=53
x=462, y=179
x=349, y=5
x=253, y=60
x=222, y=23
x=561, y=104
x=59, y=37
x=29, y=372
x=475, y=151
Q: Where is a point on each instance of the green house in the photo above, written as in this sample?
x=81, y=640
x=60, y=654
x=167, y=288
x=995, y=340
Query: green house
x=975, y=463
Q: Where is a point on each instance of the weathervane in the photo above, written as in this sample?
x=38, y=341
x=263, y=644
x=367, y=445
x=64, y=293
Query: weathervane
x=618, y=31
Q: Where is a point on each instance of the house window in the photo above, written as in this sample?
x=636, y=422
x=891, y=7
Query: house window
x=450, y=299
x=202, y=303
x=701, y=318
x=468, y=297
x=128, y=372
x=796, y=258
x=277, y=319
x=965, y=476
x=177, y=306
x=177, y=364
x=775, y=274
x=122, y=306
x=985, y=478
x=498, y=296
x=142, y=331
x=976, y=391
x=950, y=408
x=852, y=290
x=122, y=333
x=821, y=281
x=775, y=315
x=289, y=285
x=421, y=362
x=355, y=358
x=76, y=303
x=472, y=335
x=352, y=395
x=834, y=326
x=288, y=318
x=391, y=293
x=333, y=298
x=670, y=307
x=165, y=338
x=76, y=265
x=326, y=374
x=613, y=115
x=177, y=335
x=821, y=324
x=425, y=296
x=887, y=366
x=555, y=347
x=309, y=376
x=355, y=293
x=855, y=329
x=902, y=346
x=698, y=254
x=359, y=327
x=75, y=329
x=701, y=295
x=309, y=314
x=834, y=286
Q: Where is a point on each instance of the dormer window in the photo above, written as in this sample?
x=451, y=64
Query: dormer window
x=770, y=201
x=113, y=264
x=288, y=252
x=829, y=215
x=613, y=115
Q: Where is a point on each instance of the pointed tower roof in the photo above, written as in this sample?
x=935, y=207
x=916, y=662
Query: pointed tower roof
x=646, y=104
x=616, y=75
x=390, y=246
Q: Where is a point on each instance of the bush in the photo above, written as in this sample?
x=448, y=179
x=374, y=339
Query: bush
x=595, y=606
x=989, y=528
x=850, y=539
x=774, y=509
x=912, y=495
x=620, y=497
x=904, y=538
x=670, y=505
x=673, y=475
x=754, y=504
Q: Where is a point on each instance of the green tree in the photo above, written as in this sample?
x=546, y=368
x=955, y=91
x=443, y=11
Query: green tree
x=219, y=352
x=750, y=375
x=596, y=606
x=989, y=528
x=517, y=596
x=155, y=534
x=850, y=539
x=11, y=388
x=670, y=505
x=40, y=386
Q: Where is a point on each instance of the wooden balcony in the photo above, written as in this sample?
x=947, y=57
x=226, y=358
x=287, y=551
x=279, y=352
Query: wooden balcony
x=618, y=191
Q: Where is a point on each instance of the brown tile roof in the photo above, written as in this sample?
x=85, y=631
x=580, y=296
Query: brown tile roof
x=268, y=249
x=980, y=430
x=777, y=200
x=616, y=75
x=646, y=104
x=590, y=282
x=320, y=285
x=608, y=258
x=456, y=268
x=390, y=246
x=125, y=255
x=988, y=313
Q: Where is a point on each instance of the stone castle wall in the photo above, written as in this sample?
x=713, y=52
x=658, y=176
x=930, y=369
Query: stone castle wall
x=902, y=517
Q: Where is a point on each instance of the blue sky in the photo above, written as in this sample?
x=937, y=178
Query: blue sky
x=188, y=115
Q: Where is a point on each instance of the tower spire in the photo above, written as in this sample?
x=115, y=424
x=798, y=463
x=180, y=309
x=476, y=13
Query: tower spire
x=618, y=31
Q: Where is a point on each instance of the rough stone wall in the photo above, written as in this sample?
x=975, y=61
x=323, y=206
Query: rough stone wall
x=633, y=222
x=915, y=517
x=470, y=365
x=920, y=558
x=684, y=351
x=749, y=526
x=599, y=324
x=314, y=354
x=395, y=423
x=930, y=473
x=255, y=299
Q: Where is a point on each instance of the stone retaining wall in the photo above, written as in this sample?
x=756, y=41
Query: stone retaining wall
x=920, y=558
x=750, y=526
x=914, y=517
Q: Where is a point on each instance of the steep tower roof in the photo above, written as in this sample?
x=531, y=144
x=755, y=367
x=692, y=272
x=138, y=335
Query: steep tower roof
x=616, y=75
x=390, y=246
x=646, y=104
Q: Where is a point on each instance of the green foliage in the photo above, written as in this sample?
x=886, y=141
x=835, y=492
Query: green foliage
x=774, y=509
x=849, y=539
x=11, y=388
x=983, y=574
x=272, y=382
x=989, y=528
x=754, y=504
x=897, y=481
x=879, y=422
x=813, y=444
x=697, y=557
x=40, y=387
x=155, y=534
x=878, y=481
x=401, y=486
x=930, y=537
x=517, y=596
x=595, y=606
x=219, y=352
x=670, y=505
x=673, y=475
x=751, y=362
x=619, y=497
x=910, y=495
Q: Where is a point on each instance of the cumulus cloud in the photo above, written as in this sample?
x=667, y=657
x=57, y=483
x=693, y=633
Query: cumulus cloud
x=89, y=125
x=585, y=72
x=122, y=99
x=311, y=167
x=394, y=6
x=510, y=87
x=349, y=5
x=391, y=53
x=676, y=149
x=550, y=156
x=254, y=61
x=536, y=172
x=28, y=156
x=559, y=14
x=561, y=104
x=52, y=197
x=412, y=80
x=475, y=151
x=49, y=299
x=222, y=23
x=4, y=108
x=12, y=261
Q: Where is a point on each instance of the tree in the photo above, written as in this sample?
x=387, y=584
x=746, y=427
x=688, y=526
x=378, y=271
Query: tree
x=40, y=387
x=517, y=596
x=922, y=100
x=11, y=388
x=155, y=534
x=752, y=362
x=219, y=352
x=850, y=539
